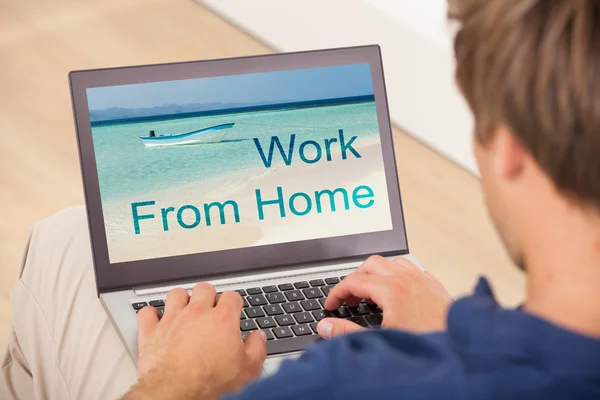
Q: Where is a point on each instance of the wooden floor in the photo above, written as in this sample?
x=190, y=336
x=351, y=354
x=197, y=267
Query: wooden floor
x=41, y=41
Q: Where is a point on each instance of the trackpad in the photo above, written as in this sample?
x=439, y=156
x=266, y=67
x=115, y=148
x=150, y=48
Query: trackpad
x=273, y=363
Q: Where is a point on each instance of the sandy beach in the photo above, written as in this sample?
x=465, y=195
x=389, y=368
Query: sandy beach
x=154, y=242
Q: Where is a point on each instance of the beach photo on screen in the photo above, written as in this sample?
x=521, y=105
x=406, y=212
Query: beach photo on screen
x=209, y=164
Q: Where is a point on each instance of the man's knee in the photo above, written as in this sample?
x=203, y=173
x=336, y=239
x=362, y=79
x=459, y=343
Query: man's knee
x=67, y=223
x=58, y=248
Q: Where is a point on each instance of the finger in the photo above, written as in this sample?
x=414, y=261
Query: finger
x=353, y=301
x=232, y=301
x=408, y=264
x=177, y=299
x=147, y=319
x=361, y=286
x=332, y=327
x=256, y=350
x=377, y=265
x=204, y=294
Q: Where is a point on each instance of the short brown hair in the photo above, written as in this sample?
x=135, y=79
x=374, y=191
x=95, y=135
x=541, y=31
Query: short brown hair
x=534, y=65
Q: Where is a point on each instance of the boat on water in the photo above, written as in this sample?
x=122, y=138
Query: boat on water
x=212, y=134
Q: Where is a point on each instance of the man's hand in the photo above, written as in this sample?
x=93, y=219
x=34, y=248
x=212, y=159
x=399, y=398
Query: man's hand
x=411, y=299
x=195, y=351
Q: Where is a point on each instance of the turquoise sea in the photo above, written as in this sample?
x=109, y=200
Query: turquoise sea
x=127, y=168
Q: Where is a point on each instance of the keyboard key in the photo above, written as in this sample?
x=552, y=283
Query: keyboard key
x=274, y=309
x=293, y=307
x=157, y=303
x=320, y=314
x=326, y=290
x=254, y=290
x=282, y=332
x=303, y=318
x=342, y=277
x=269, y=289
x=256, y=300
x=286, y=286
x=269, y=334
x=313, y=326
x=317, y=282
x=361, y=309
x=139, y=305
x=284, y=320
x=332, y=281
x=301, y=330
x=276, y=298
x=245, y=302
x=241, y=292
x=322, y=301
x=245, y=334
x=360, y=321
x=247, y=325
x=374, y=320
x=268, y=322
x=310, y=305
x=254, y=312
x=312, y=293
x=374, y=308
x=161, y=311
x=294, y=295
x=301, y=285
x=342, y=312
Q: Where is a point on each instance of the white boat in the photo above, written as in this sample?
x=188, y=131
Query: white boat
x=212, y=134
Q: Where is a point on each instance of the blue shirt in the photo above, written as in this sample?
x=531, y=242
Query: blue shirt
x=486, y=353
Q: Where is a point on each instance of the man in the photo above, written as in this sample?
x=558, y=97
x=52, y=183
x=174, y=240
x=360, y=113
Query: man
x=530, y=70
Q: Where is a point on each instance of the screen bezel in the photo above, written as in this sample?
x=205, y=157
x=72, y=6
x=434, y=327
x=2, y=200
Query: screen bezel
x=116, y=276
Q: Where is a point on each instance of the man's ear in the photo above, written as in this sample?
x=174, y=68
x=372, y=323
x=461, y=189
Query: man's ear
x=508, y=154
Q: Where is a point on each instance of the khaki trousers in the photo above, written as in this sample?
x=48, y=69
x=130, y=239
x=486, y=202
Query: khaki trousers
x=61, y=344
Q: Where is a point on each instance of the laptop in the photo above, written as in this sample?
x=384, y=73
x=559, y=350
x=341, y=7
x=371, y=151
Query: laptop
x=272, y=175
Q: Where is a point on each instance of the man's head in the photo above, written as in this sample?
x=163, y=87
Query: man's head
x=530, y=71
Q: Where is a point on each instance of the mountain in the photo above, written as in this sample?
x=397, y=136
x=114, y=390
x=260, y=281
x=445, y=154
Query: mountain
x=116, y=113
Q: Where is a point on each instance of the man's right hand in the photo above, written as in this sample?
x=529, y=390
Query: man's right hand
x=195, y=351
x=411, y=299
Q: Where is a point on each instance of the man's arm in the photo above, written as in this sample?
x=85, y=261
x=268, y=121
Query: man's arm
x=383, y=364
x=412, y=300
x=195, y=351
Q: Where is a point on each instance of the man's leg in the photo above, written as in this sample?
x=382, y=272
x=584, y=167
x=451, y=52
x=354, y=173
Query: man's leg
x=61, y=345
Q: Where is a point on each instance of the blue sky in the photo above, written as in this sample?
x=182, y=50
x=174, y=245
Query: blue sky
x=272, y=87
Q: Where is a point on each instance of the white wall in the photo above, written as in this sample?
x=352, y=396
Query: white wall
x=417, y=55
x=426, y=17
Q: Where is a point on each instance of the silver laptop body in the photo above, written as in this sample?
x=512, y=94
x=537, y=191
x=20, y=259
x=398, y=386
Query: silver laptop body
x=271, y=175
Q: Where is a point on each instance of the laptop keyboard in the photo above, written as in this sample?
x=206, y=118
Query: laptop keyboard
x=289, y=312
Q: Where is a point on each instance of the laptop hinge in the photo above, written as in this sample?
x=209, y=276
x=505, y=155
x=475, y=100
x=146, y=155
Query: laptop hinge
x=248, y=279
x=274, y=276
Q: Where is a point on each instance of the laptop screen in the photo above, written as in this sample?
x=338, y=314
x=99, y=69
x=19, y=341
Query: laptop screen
x=202, y=165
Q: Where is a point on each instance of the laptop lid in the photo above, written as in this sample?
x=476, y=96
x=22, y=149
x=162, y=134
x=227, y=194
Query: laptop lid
x=200, y=169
